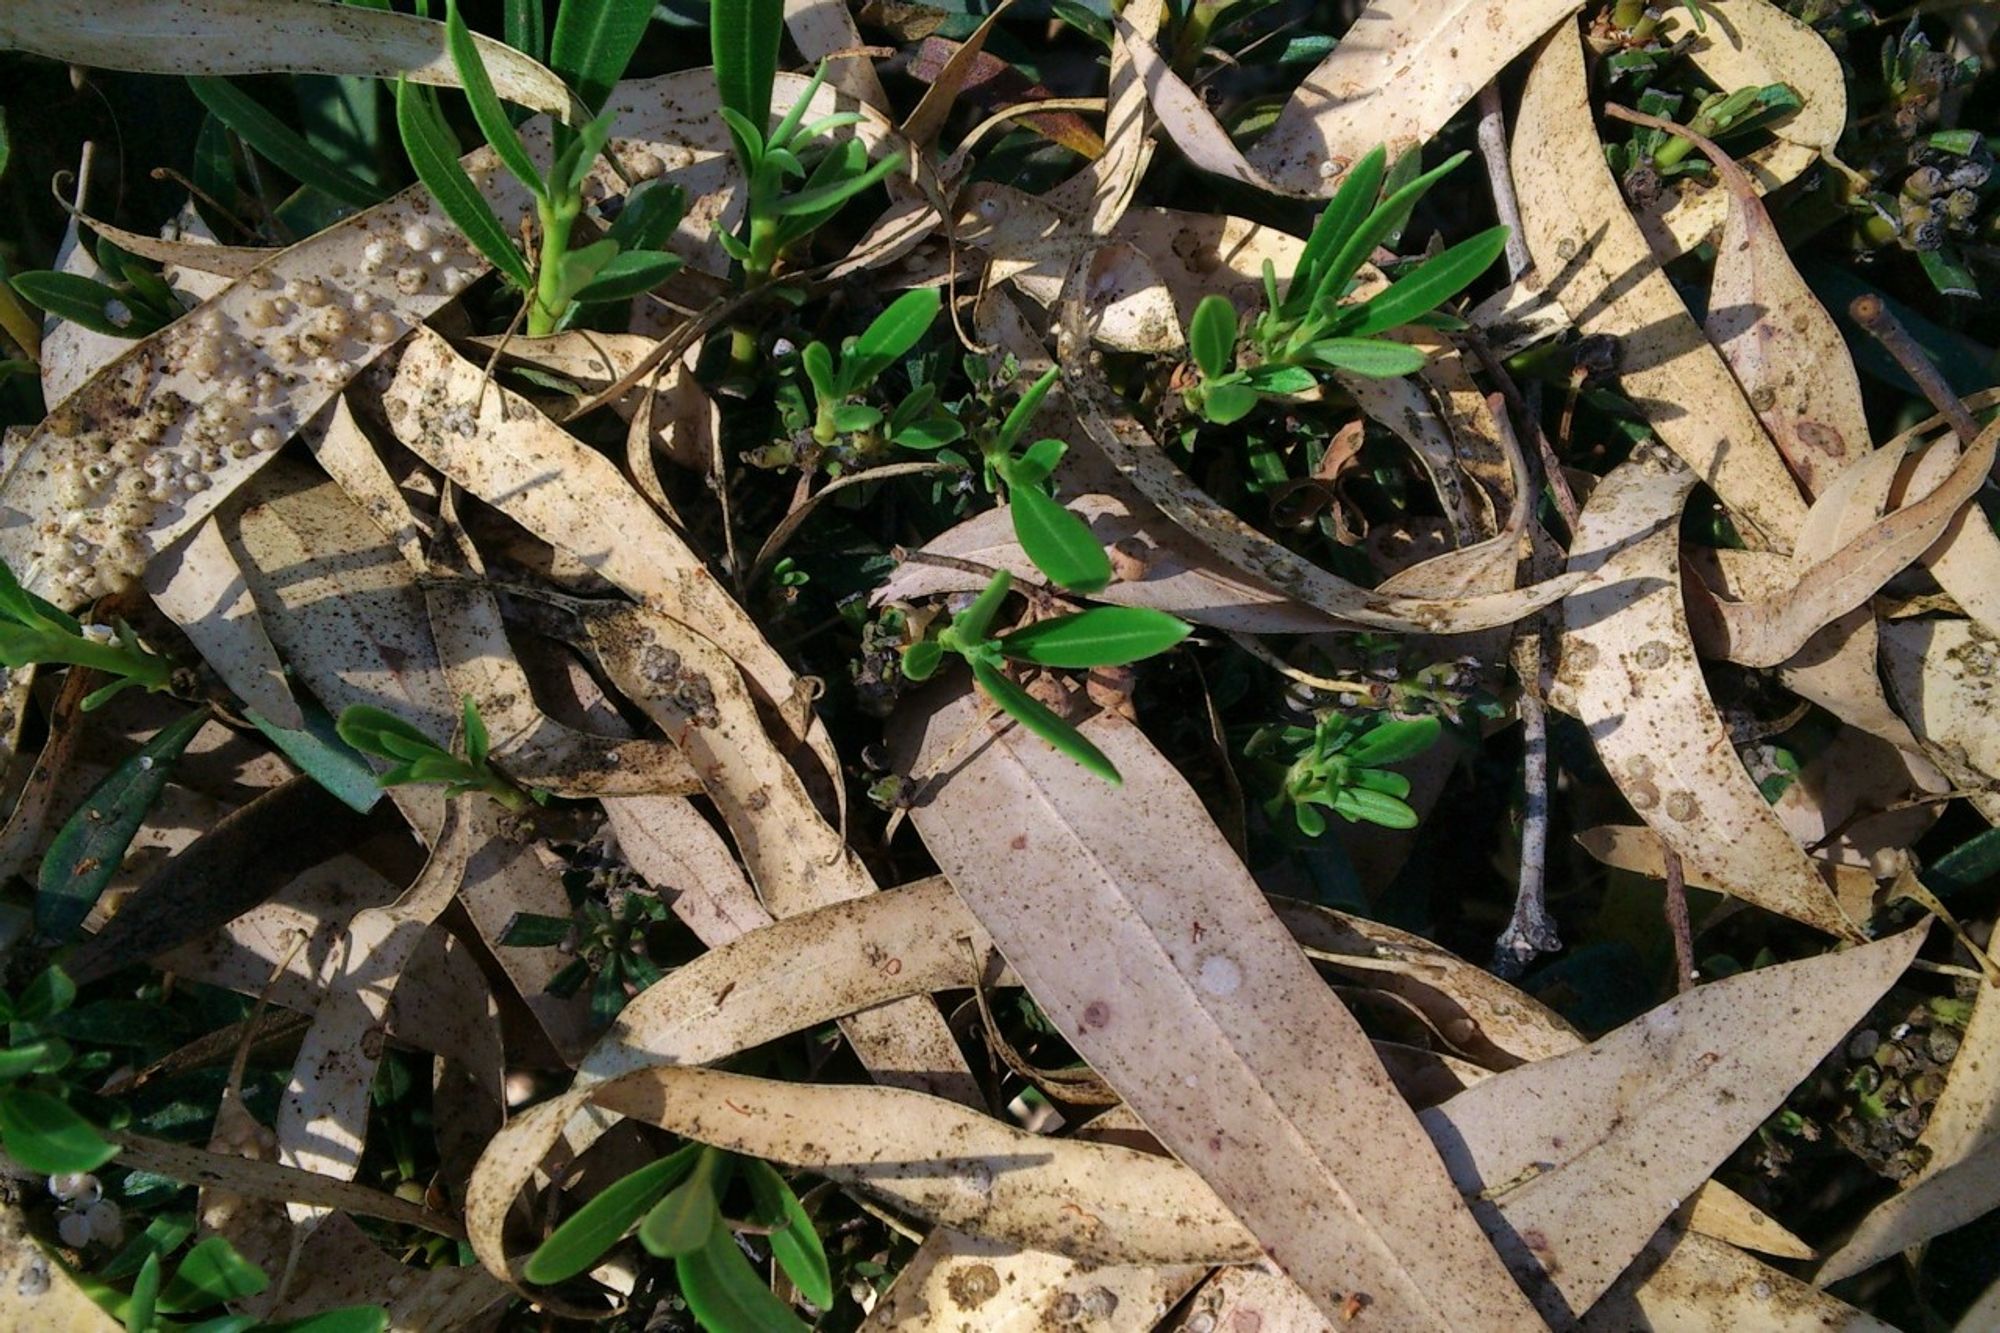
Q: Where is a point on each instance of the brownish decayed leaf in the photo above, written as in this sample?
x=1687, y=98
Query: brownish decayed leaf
x=1184, y=974
x=1629, y=672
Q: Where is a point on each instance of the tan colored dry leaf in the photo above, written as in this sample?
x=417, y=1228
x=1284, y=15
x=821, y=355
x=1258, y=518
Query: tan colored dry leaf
x=678, y=851
x=36, y=1292
x=683, y=419
x=1402, y=70
x=275, y=1182
x=197, y=585
x=1186, y=974
x=1966, y=561
x=202, y=258
x=822, y=29
x=1691, y=1284
x=1770, y=630
x=1661, y=1102
x=346, y=454
x=1629, y=672
x=268, y=37
x=1751, y=43
x=70, y=353
x=1009, y=1289
x=798, y=972
x=1638, y=849
x=1945, y=677
x=1595, y=261
x=1102, y=191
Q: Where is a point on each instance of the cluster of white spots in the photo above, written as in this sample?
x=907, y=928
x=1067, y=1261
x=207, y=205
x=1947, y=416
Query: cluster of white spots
x=85, y=1216
x=417, y=260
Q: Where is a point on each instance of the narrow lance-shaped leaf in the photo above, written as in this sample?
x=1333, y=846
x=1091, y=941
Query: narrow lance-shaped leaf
x=726, y=1295
x=1396, y=740
x=526, y=28
x=601, y=1223
x=212, y=1272
x=1101, y=636
x=82, y=301
x=434, y=155
x=743, y=40
x=145, y=1296
x=1434, y=282
x=1029, y=712
x=594, y=42
x=281, y=145
x=89, y=849
x=1057, y=541
x=680, y=1223
x=1024, y=411
x=971, y=625
x=794, y=1243
x=1343, y=213
x=43, y=1134
x=1353, y=252
x=486, y=107
x=630, y=273
x=892, y=334
x=1367, y=356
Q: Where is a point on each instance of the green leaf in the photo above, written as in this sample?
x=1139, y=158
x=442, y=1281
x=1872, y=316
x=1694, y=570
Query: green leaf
x=1310, y=821
x=587, y=1233
x=1366, y=356
x=1434, y=282
x=1036, y=462
x=348, y=1319
x=1016, y=424
x=1394, y=741
x=145, y=1296
x=434, y=155
x=43, y=1134
x=91, y=845
x=1226, y=404
x=1369, y=233
x=594, y=42
x=972, y=624
x=373, y=731
x=1343, y=213
x=933, y=432
x=22, y=1060
x=580, y=267
x=212, y=1272
x=680, y=1223
x=794, y=1243
x=804, y=211
x=1374, y=807
x=162, y=1236
x=817, y=361
x=652, y=212
x=1029, y=712
x=850, y=417
x=1966, y=866
x=1061, y=544
x=281, y=145
x=743, y=42
x=890, y=336
x=526, y=28
x=80, y=300
x=921, y=659
x=534, y=930
x=49, y=994
x=1100, y=636
x=573, y=164
x=477, y=742
x=1384, y=780
x=1279, y=379
x=724, y=1293
x=486, y=108
x=1212, y=336
x=323, y=756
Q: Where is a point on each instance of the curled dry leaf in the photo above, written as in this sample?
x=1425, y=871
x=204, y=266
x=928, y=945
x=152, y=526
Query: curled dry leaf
x=268, y=37
x=1210, y=987
x=1629, y=672
x=1595, y=261
x=1945, y=676
x=197, y=585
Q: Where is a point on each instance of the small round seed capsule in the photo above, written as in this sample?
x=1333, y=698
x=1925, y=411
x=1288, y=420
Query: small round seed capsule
x=311, y=292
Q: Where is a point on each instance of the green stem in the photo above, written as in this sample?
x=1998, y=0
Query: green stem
x=549, y=300
x=763, y=242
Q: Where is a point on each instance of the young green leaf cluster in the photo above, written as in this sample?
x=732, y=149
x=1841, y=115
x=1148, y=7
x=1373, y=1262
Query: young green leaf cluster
x=676, y=1203
x=33, y=631
x=743, y=37
x=839, y=379
x=1657, y=156
x=39, y=1129
x=1101, y=636
x=609, y=944
x=136, y=302
x=210, y=1274
x=417, y=758
x=594, y=40
x=1311, y=327
x=1059, y=543
x=1338, y=765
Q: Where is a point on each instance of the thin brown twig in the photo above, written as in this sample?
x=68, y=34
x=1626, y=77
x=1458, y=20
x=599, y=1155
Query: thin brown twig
x=1543, y=460
x=1677, y=920
x=1874, y=315
x=1500, y=177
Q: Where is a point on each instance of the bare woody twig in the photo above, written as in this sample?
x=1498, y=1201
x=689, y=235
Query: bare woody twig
x=1677, y=920
x=1873, y=314
x=1493, y=151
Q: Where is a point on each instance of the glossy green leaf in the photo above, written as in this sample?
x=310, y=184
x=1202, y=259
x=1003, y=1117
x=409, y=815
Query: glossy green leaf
x=591, y=1230
x=817, y=361
x=1394, y=741
x=90, y=847
x=580, y=267
x=743, y=43
x=82, y=301
x=1227, y=404
x=1280, y=379
x=525, y=25
x=373, y=731
x=1367, y=356
x=975, y=622
x=726, y=1295
x=1100, y=636
x=1211, y=336
x=682, y=1222
x=348, y=1319
x=594, y=41
x=144, y=1300
x=630, y=273
x=804, y=211
x=1374, y=807
x=50, y=993
x=1310, y=821
x=42, y=1133
x=323, y=756
x=1025, y=709
x=163, y=1235
x=794, y=1242
x=281, y=145
x=1966, y=866
x=1370, y=232
x=1387, y=781
x=652, y=212
x=1434, y=282
x=890, y=336
x=921, y=659
x=1061, y=545
x=1023, y=412
x=477, y=741
x=486, y=107
x=851, y=417
x=1343, y=213
x=573, y=163
x=211, y=1273
x=434, y=155
x=1036, y=462
x=22, y=1060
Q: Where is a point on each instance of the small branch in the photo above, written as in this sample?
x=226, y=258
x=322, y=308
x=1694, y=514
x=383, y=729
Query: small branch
x=1872, y=314
x=1543, y=461
x=1493, y=150
x=1677, y=920
x=1530, y=932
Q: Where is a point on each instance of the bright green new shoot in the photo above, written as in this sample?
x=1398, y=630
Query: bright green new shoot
x=33, y=631
x=1339, y=766
x=838, y=380
x=417, y=758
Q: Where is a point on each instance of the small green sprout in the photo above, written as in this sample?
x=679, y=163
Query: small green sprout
x=676, y=1204
x=33, y=631
x=1338, y=765
x=1652, y=156
x=594, y=40
x=1311, y=328
x=417, y=758
x=608, y=941
x=135, y=302
x=840, y=379
x=39, y=1129
x=1101, y=636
